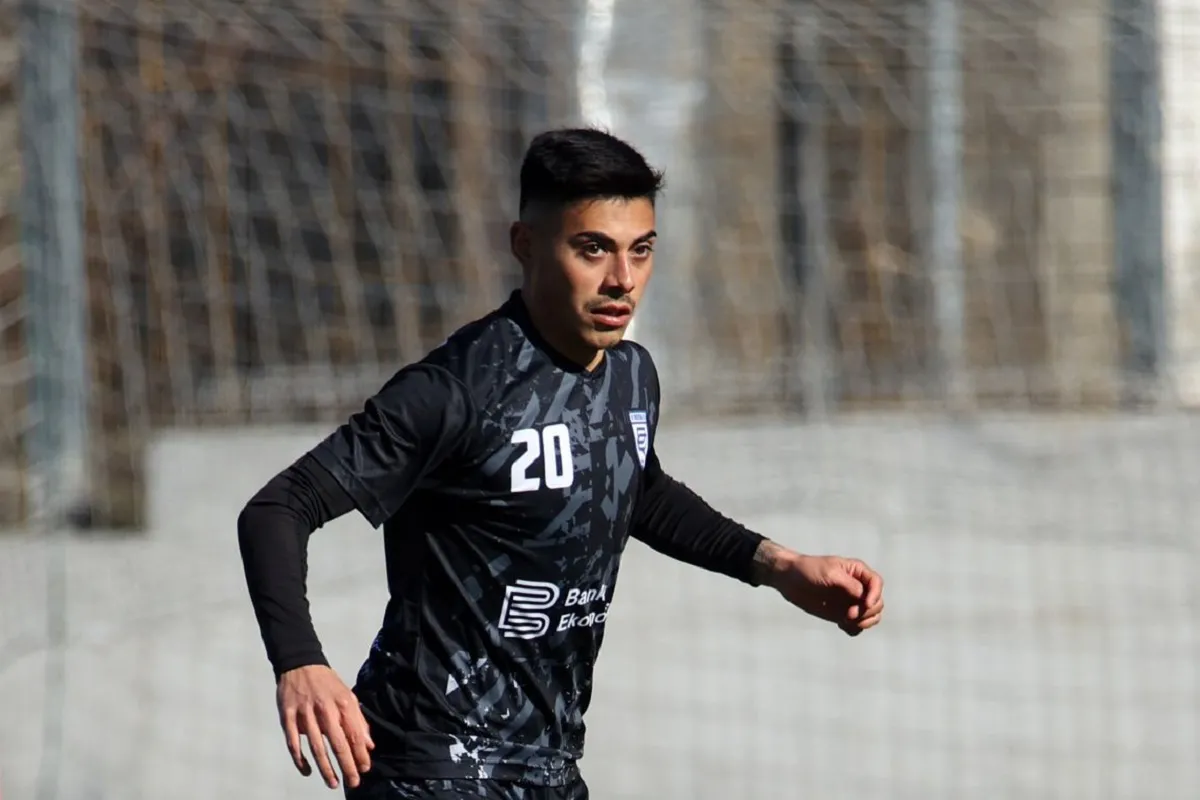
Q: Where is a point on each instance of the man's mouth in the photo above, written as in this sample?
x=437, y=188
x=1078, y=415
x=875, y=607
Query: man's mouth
x=612, y=315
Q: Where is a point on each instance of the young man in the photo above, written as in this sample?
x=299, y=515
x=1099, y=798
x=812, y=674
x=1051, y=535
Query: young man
x=508, y=469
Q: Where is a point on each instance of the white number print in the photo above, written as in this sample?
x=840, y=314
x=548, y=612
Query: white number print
x=553, y=445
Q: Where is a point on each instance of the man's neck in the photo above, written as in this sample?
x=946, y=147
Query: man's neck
x=586, y=357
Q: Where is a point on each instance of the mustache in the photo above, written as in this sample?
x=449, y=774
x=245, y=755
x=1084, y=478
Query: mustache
x=611, y=301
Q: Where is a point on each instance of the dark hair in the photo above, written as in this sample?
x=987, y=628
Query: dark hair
x=567, y=165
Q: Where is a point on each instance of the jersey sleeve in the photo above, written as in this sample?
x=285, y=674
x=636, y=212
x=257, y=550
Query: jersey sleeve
x=273, y=531
x=673, y=520
x=677, y=522
x=418, y=421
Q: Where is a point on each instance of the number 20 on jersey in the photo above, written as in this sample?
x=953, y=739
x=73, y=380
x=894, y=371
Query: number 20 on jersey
x=544, y=458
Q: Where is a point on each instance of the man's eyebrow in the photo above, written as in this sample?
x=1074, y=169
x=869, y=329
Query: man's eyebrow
x=604, y=238
x=595, y=236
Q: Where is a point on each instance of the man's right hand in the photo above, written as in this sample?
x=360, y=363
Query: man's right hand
x=313, y=701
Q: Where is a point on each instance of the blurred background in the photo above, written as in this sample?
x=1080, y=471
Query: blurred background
x=926, y=294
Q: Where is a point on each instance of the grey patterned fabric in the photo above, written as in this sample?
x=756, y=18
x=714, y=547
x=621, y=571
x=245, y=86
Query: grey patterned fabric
x=464, y=788
x=506, y=492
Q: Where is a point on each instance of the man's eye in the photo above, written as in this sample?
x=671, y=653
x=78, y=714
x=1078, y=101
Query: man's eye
x=644, y=250
x=593, y=249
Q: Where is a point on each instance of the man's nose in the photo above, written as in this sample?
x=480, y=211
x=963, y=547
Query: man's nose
x=620, y=274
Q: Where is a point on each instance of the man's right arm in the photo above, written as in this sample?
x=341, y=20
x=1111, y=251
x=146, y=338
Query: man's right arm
x=273, y=531
x=418, y=420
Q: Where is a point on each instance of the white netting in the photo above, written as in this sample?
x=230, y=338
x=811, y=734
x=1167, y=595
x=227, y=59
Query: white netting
x=917, y=261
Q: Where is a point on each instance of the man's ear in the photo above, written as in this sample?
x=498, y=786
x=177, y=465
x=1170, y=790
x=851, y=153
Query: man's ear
x=520, y=241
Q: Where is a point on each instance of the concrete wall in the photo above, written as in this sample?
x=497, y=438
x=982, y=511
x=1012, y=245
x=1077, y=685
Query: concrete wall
x=1039, y=642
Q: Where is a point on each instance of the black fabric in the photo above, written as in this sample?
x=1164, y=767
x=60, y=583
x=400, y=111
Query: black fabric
x=507, y=482
x=677, y=522
x=420, y=419
x=273, y=531
x=464, y=789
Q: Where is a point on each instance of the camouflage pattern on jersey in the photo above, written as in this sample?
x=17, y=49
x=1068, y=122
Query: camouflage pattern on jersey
x=503, y=560
x=463, y=789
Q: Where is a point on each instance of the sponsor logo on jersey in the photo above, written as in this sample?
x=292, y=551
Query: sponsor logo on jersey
x=525, y=613
x=641, y=434
x=522, y=615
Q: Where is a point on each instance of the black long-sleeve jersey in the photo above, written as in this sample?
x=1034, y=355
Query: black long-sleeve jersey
x=507, y=481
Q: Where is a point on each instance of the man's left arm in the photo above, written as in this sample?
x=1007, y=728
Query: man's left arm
x=673, y=520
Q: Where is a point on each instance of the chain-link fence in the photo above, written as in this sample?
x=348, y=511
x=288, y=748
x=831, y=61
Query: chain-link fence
x=917, y=262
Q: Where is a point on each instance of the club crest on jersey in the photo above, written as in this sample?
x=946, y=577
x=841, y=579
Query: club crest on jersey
x=641, y=434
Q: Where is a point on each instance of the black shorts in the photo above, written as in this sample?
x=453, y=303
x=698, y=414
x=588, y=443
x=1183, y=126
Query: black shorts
x=468, y=788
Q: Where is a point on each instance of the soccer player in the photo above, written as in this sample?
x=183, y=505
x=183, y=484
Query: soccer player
x=508, y=469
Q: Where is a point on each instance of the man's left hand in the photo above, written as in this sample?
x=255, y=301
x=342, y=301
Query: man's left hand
x=844, y=591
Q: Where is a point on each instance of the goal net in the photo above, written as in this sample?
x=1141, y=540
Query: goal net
x=923, y=295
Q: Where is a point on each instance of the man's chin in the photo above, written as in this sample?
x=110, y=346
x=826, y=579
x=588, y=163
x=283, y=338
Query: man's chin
x=602, y=337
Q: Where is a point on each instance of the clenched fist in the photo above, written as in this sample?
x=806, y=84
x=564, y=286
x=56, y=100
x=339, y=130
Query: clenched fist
x=313, y=701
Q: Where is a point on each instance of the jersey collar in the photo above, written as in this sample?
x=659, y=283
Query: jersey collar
x=516, y=310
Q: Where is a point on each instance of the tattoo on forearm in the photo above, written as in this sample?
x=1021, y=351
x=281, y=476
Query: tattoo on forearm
x=764, y=560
